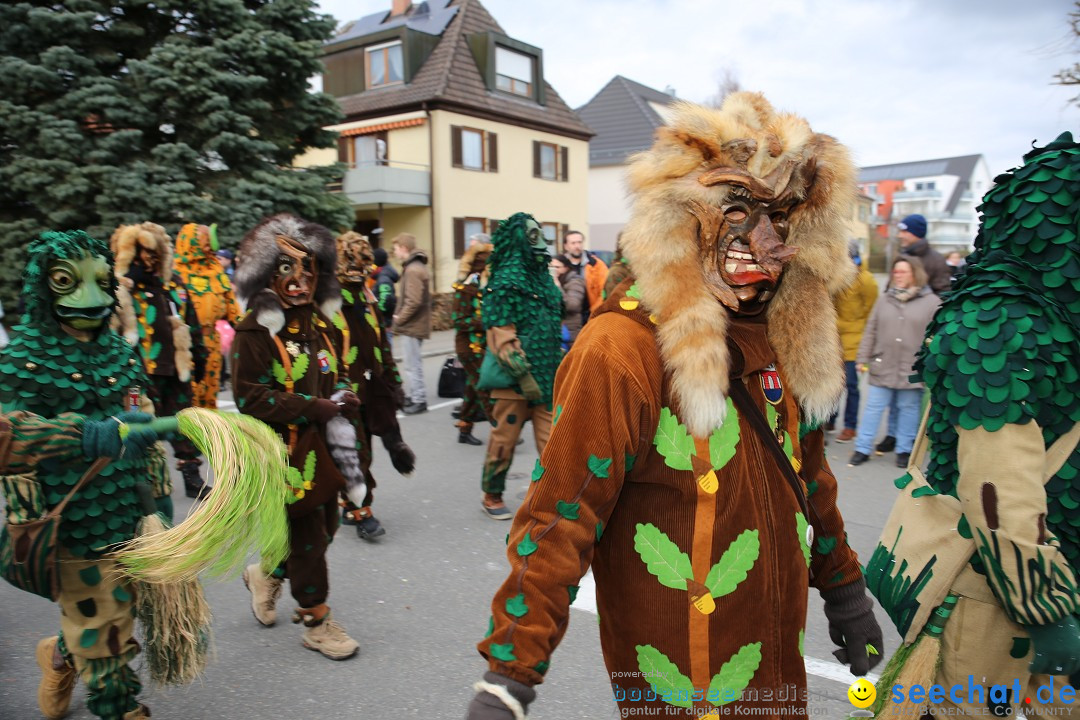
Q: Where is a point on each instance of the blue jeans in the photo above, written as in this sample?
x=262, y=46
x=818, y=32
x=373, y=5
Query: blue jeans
x=851, y=407
x=878, y=399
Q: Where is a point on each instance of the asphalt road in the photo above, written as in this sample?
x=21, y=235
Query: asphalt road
x=417, y=601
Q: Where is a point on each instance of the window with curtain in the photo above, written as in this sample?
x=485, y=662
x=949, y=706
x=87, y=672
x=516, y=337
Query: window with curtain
x=472, y=149
x=513, y=72
x=548, y=161
x=385, y=65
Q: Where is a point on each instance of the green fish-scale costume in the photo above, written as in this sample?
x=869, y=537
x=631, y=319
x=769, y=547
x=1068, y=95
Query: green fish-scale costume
x=1003, y=347
x=46, y=371
x=521, y=293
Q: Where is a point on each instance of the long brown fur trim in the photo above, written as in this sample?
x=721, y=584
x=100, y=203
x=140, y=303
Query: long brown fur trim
x=660, y=242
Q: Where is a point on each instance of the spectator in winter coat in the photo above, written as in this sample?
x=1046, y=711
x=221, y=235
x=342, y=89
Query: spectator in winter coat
x=893, y=335
x=587, y=266
x=412, y=319
x=385, y=277
x=853, y=307
x=912, y=236
x=574, y=300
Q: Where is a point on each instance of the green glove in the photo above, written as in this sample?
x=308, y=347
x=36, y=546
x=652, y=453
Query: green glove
x=1057, y=647
x=103, y=438
x=529, y=388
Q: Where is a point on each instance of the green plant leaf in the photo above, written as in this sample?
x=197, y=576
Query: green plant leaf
x=734, y=564
x=665, y=677
x=724, y=439
x=526, y=546
x=662, y=557
x=728, y=684
x=309, y=466
x=350, y=357
x=800, y=528
x=279, y=372
x=568, y=510
x=516, y=605
x=673, y=442
x=599, y=467
x=299, y=368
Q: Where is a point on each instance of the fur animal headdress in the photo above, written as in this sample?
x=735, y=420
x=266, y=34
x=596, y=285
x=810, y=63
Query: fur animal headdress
x=354, y=255
x=127, y=239
x=467, y=260
x=661, y=243
x=259, y=253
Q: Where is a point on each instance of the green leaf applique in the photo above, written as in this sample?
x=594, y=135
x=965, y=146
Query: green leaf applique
x=279, y=372
x=673, y=442
x=825, y=544
x=348, y=297
x=538, y=471
x=662, y=557
x=628, y=463
x=599, y=467
x=155, y=350
x=802, y=638
x=350, y=357
x=728, y=684
x=555, y=417
x=800, y=528
x=724, y=439
x=572, y=591
x=491, y=626
x=568, y=510
x=667, y=681
x=599, y=531
x=309, y=466
x=150, y=314
x=734, y=564
x=503, y=652
x=299, y=368
x=526, y=546
x=378, y=354
x=516, y=605
x=339, y=319
x=332, y=361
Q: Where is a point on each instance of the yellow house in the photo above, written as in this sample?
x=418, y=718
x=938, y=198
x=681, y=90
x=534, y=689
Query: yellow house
x=449, y=128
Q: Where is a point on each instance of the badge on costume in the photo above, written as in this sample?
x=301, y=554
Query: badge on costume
x=292, y=348
x=770, y=385
x=324, y=362
x=181, y=293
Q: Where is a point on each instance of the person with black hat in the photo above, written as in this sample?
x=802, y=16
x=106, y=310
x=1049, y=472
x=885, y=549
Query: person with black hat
x=385, y=276
x=912, y=236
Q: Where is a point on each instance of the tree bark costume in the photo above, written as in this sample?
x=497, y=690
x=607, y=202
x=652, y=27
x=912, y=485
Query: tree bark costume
x=372, y=373
x=1001, y=366
x=210, y=292
x=288, y=363
x=157, y=317
x=523, y=321
x=676, y=412
x=47, y=371
x=470, y=340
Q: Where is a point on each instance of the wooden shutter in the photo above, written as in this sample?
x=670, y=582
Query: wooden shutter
x=493, y=152
x=493, y=225
x=536, y=159
x=343, y=149
x=455, y=146
x=459, y=236
x=564, y=156
x=563, y=229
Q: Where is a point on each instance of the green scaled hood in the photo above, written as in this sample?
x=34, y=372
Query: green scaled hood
x=49, y=246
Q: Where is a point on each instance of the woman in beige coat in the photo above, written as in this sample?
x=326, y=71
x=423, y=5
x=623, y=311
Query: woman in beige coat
x=893, y=335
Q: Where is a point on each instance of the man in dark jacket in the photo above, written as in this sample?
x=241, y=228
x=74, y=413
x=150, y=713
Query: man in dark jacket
x=385, y=276
x=912, y=236
x=412, y=320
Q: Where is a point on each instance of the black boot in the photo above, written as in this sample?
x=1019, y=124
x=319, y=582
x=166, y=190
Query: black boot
x=194, y=486
x=466, y=438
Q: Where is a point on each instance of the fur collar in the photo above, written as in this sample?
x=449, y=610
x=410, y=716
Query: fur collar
x=266, y=308
x=660, y=243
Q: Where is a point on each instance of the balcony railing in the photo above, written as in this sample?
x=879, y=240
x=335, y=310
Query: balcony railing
x=392, y=184
x=916, y=195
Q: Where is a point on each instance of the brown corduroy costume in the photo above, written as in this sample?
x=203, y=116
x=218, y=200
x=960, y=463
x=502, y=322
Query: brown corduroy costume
x=653, y=477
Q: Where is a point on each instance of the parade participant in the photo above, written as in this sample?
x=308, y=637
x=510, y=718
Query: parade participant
x=64, y=358
x=685, y=464
x=1001, y=365
x=522, y=316
x=210, y=291
x=469, y=338
x=288, y=372
x=372, y=375
x=157, y=316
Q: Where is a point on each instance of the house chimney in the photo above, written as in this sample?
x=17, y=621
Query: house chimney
x=670, y=91
x=400, y=7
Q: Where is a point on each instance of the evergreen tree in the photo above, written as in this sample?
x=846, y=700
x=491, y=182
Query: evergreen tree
x=116, y=111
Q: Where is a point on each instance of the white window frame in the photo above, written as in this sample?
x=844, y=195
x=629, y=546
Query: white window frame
x=514, y=84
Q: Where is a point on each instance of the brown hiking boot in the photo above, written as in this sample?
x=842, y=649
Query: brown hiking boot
x=265, y=592
x=845, y=436
x=327, y=637
x=140, y=713
x=57, y=680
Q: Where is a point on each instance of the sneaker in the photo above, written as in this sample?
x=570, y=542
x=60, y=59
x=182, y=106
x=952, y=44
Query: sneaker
x=329, y=638
x=885, y=446
x=467, y=438
x=857, y=458
x=495, y=508
x=57, y=680
x=415, y=409
x=902, y=460
x=369, y=528
x=265, y=592
x=845, y=436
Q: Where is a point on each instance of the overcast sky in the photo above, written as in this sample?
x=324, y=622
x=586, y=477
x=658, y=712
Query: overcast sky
x=895, y=80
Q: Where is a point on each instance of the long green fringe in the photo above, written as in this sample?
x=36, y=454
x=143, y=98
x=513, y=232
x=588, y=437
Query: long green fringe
x=244, y=514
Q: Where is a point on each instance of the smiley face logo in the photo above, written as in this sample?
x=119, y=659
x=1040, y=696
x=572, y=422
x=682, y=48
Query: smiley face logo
x=862, y=693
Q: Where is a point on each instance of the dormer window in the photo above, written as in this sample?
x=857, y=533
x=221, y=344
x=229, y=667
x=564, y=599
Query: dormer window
x=385, y=65
x=513, y=72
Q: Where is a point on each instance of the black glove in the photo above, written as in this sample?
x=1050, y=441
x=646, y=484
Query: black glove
x=852, y=626
x=486, y=706
x=198, y=360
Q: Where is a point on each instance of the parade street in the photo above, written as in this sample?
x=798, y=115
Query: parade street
x=417, y=601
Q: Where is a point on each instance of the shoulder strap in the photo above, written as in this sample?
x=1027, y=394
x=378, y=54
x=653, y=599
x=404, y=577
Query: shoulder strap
x=97, y=467
x=741, y=396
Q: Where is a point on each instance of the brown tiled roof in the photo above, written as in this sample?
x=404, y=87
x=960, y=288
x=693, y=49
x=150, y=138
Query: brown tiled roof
x=451, y=80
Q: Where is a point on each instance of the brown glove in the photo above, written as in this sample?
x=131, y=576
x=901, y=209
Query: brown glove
x=351, y=407
x=323, y=410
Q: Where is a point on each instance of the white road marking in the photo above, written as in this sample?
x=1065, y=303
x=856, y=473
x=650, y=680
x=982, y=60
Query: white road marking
x=826, y=669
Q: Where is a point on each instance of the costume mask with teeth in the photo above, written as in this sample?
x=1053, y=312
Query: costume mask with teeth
x=294, y=278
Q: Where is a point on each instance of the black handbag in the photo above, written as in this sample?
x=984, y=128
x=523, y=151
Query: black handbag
x=452, y=379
